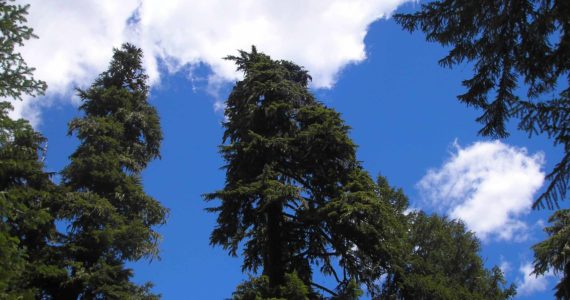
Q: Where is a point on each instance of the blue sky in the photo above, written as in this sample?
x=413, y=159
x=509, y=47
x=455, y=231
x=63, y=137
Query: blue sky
x=385, y=82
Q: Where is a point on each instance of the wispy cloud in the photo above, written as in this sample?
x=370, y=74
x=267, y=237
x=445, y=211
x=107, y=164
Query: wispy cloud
x=76, y=37
x=530, y=283
x=505, y=266
x=488, y=185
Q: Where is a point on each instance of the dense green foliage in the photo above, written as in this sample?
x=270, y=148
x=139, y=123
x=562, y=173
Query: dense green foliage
x=295, y=196
x=296, y=200
x=553, y=254
x=259, y=288
x=443, y=262
x=512, y=44
x=111, y=218
x=15, y=75
x=29, y=203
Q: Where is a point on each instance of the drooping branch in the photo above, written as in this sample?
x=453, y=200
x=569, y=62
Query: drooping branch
x=332, y=293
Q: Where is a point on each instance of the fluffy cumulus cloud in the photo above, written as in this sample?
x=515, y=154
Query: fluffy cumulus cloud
x=75, y=43
x=488, y=185
x=76, y=37
x=530, y=283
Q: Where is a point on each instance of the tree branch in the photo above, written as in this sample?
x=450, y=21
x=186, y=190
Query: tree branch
x=324, y=289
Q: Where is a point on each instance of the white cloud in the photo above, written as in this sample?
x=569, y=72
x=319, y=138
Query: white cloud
x=488, y=185
x=505, y=266
x=76, y=37
x=530, y=283
x=411, y=209
x=322, y=35
x=75, y=43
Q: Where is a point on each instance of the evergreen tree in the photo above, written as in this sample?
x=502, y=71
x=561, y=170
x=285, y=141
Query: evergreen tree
x=15, y=75
x=111, y=217
x=512, y=44
x=295, y=196
x=29, y=201
x=29, y=205
x=293, y=288
x=443, y=262
x=554, y=253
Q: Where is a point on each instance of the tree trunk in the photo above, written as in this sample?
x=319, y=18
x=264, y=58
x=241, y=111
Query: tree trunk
x=274, y=265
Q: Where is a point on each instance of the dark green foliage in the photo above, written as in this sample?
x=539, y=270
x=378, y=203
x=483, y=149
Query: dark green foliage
x=29, y=201
x=295, y=197
x=259, y=288
x=443, y=263
x=15, y=75
x=348, y=291
x=29, y=205
x=512, y=44
x=553, y=254
x=111, y=217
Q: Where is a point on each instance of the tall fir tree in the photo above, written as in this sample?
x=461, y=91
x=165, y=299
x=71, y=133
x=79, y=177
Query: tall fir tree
x=111, y=218
x=295, y=197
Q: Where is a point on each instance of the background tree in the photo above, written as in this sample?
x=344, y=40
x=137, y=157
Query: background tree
x=15, y=75
x=443, y=262
x=29, y=206
x=554, y=253
x=512, y=44
x=29, y=201
x=259, y=288
x=295, y=197
x=111, y=218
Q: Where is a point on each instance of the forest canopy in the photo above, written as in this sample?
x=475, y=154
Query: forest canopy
x=293, y=202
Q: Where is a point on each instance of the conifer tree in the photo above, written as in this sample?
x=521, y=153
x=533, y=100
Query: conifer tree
x=29, y=206
x=29, y=201
x=293, y=288
x=15, y=75
x=111, y=217
x=295, y=197
x=443, y=262
x=553, y=254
